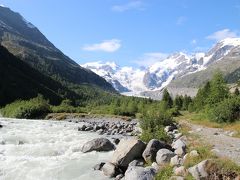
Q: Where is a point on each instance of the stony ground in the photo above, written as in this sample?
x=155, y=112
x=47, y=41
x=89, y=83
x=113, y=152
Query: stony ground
x=223, y=144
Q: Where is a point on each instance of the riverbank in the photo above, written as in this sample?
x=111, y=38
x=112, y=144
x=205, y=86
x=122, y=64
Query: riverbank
x=85, y=116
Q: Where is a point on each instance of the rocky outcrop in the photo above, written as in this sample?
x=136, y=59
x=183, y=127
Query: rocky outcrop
x=111, y=128
x=132, y=154
x=98, y=144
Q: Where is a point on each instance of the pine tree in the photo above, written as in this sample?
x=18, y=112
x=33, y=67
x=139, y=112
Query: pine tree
x=167, y=98
x=178, y=102
x=186, y=101
x=219, y=90
x=202, y=97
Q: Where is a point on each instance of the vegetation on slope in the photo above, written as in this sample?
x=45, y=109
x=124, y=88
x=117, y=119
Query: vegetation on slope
x=32, y=47
x=215, y=100
x=20, y=81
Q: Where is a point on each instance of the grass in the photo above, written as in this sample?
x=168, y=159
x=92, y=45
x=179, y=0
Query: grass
x=165, y=173
x=201, y=119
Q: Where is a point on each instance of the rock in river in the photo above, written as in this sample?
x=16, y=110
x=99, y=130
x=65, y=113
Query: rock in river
x=98, y=144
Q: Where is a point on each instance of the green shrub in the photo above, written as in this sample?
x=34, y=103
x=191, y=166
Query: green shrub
x=33, y=108
x=153, y=123
x=65, y=106
x=156, y=133
x=173, y=112
x=227, y=110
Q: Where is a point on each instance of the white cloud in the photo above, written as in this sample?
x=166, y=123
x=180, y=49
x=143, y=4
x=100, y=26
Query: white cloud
x=150, y=58
x=181, y=20
x=132, y=5
x=222, y=34
x=107, y=46
x=194, y=41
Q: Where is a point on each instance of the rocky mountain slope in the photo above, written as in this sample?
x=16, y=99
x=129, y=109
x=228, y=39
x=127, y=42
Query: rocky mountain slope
x=180, y=72
x=25, y=41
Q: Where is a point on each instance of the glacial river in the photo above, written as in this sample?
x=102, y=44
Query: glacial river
x=46, y=150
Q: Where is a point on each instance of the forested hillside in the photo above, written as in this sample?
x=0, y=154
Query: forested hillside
x=20, y=81
x=25, y=41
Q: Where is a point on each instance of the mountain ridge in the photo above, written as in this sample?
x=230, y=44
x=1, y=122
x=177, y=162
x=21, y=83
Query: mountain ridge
x=170, y=71
x=25, y=41
x=21, y=81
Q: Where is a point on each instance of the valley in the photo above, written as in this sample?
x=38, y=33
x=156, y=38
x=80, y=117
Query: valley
x=156, y=100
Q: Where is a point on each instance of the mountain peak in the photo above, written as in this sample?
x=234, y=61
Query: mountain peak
x=230, y=42
x=100, y=64
x=162, y=72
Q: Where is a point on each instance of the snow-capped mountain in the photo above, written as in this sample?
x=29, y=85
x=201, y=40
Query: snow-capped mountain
x=123, y=79
x=160, y=74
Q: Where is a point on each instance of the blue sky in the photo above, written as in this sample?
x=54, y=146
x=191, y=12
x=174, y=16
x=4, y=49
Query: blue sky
x=130, y=32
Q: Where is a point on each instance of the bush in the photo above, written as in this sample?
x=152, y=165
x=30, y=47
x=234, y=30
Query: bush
x=173, y=112
x=65, y=106
x=226, y=111
x=156, y=133
x=153, y=123
x=33, y=108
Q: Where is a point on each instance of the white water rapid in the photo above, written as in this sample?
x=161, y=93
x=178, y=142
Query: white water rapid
x=46, y=150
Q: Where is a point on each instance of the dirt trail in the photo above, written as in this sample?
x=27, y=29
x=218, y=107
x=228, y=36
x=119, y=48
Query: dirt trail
x=223, y=144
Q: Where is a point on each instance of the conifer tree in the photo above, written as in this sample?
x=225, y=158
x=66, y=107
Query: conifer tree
x=178, y=102
x=218, y=90
x=202, y=96
x=167, y=98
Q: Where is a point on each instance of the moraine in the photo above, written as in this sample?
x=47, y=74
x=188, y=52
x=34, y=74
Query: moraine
x=49, y=150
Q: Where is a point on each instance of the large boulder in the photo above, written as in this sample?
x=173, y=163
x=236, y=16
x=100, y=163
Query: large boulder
x=179, y=144
x=98, y=144
x=180, y=147
x=164, y=156
x=152, y=148
x=127, y=150
x=139, y=173
x=109, y=170
x=201, y=170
